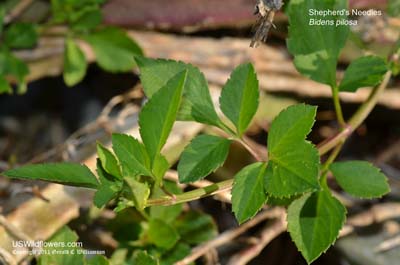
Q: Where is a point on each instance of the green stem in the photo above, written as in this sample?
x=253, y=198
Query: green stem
x=331, y=158
x=358, y=118
x=192, y=195
x=338, y=107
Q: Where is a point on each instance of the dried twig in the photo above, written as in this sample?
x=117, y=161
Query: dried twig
x=17, y=11
x=269, y=233
x=388, y=244
x=229, y=235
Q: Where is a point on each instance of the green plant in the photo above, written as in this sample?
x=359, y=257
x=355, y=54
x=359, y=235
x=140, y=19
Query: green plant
x=292, y=174
x=113, y=48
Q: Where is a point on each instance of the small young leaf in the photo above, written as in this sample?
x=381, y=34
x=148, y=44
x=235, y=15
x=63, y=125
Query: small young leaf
x=108, y=189
x=63, y=173
x=114, y=49
x=139, y=192
x=142, y=258
x=239, y=97
x=366, y=71
x=314, y=222
x=203, y=155
x=293, y=165
x=109, y=162
x=316, y=48
x=75, y=64
x=4, y=86
x=160, y=166
x=132, y=155
x=159, y=114
x=20, y=36
x=195, y=227
x=360, y=179
x=196, y=103
x=162, y=234
x=393, y=8
x=248, y=194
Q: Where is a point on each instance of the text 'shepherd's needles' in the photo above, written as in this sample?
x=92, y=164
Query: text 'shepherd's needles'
x=265, y=10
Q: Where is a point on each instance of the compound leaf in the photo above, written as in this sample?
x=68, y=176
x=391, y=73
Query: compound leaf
x=360, y=179
x=239, y=97
x=63, y=173
x=316, y=48
x=366, y=71
x=314, y=222
x=203, y=155
x=248, y=195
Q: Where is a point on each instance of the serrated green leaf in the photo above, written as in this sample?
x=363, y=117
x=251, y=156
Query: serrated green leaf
x=367, y=71
x=239, y=97
x=196, y=103
x=75, y=64
x=108, y=189
x=159, y=114
x=314, y=222
x=20, y=36
x=203, y=155
x=59, y=243
x=248, y=195
x=138, y=192
x=393, y=8
x=180, y=251
x=360, y=179
x=63, y=173
x=109, y=162
x=293, y=165
x=4, y=86
x=195, y=227
x=132, y=155
x=142, y=258
x=316, y=48
x=162, y=234
x=114, y=50
x=166, y=213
